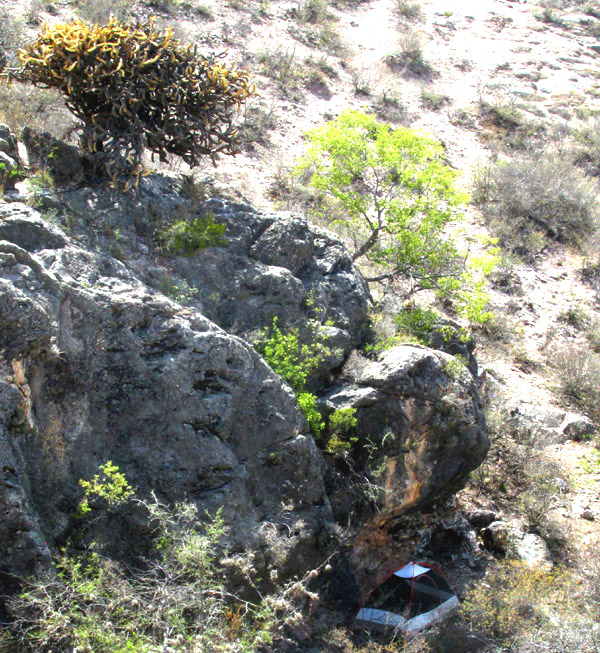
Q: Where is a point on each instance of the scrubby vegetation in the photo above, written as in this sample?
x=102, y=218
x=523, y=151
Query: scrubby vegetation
x=296, y=362
x=174, y=600
x=393, y=193
x=188, y=236
x=535, y=197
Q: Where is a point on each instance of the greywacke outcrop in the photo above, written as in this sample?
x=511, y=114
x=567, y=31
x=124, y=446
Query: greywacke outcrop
x=97, y=363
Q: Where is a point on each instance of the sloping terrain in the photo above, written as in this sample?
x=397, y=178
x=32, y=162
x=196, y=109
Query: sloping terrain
x=493, y=80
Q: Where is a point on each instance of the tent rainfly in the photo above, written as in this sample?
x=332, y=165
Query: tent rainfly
x=408, y=600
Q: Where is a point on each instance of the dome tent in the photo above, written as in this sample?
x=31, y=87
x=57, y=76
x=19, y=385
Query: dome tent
x=407, y=600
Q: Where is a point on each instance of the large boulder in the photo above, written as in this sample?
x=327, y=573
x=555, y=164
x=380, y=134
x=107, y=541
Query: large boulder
x=421, y=430
x=510, y=539
x=274, y=265
x=97, y=363
x=95, y=368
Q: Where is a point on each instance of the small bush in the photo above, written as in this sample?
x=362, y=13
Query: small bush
x=514, y=601
x=315, y=12
x=176, y=601
x=534, y=197
x=287, y=356
x=389, y=107
x=283, y=68
x=181, y=292
x=308, y=405
x=410, y=10
x=578, y=368
x=295, y=362
x=99, y=13
x=508, y=126
x=576, y=316
x=134, y=88
x=410, y=57
x=548, y=16
x=315, y=28
x=592, y=335
x=40, y=109
x=340, y=425
x=433, y=100
x=260, y=119
x=587, y=147
x=185, y=237
x=362, y=82
x=416, y=322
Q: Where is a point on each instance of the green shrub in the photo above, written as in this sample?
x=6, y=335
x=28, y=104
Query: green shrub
x=283, y=68
x=587, y=147
x=514, y=601
x=389, y=107
x=287, y=356
x=314, y=12
x=410, y=57
x=109, y=485
x=181, y=292
x=185, y=238
x=307, y=402
x=416, y=322
x=340, y=425
x=433, y=100
x=134, y=87
x=576, y=316
x=410, y=10
x=578, y=368
x=294, y=361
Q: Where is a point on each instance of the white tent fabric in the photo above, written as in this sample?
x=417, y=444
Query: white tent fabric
x=434, y=601
x=368, y=617
x=411, y=570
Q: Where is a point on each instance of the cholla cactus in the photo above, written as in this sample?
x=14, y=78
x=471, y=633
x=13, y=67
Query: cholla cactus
x=135, y=87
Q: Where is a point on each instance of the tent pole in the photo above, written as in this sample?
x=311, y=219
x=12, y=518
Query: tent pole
x=412, y=589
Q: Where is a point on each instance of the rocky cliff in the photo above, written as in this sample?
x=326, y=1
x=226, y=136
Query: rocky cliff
x=98, y=364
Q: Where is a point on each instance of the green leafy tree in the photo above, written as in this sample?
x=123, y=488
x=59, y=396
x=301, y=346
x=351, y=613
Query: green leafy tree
x=396, y=194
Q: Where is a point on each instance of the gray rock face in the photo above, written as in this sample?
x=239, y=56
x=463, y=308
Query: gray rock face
x=421, y=428
x=98, y=364
x=22, y=543
x=279, y=266
x=108, y=371
x=273, y=266
x=61, y=160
